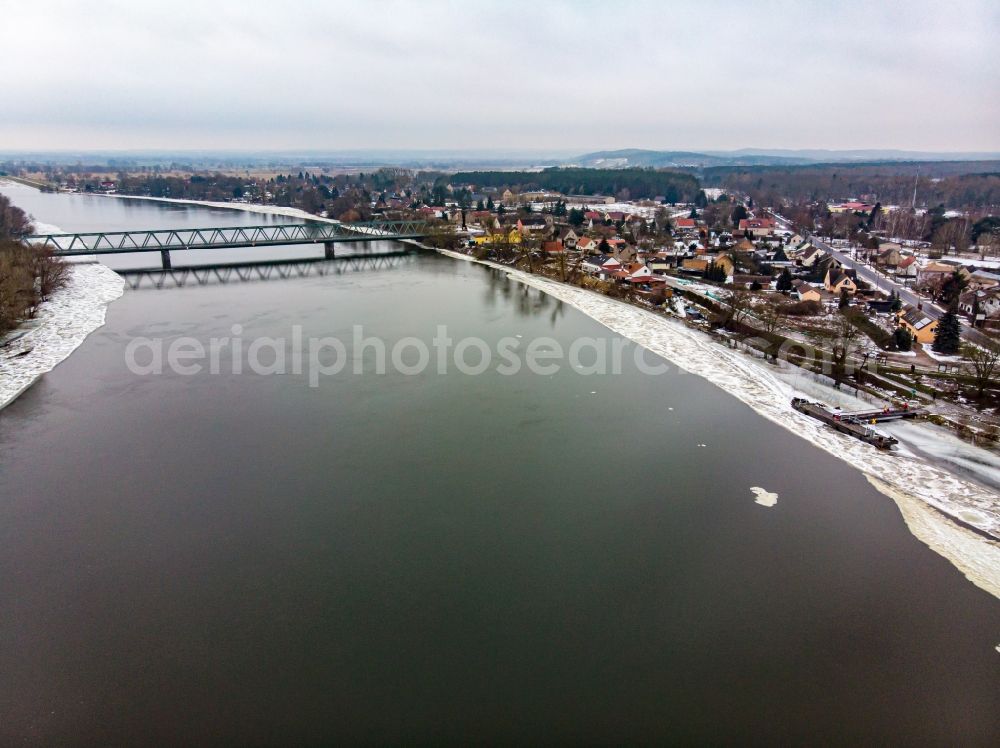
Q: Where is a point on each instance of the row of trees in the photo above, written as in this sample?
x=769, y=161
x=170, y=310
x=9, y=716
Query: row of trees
x=632, y=184
x=28, y=275
x=966, y=185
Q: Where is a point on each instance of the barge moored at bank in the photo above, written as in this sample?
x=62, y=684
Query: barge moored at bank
x=857, y=424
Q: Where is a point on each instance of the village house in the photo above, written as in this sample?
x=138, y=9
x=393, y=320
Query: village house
x=660, y=262
x=512, y=237
x=984, y=279
x=589, y=200
x=602, y=266
x=919, y=325
x=702, y=263
x=889, y=257
x=726, y=263
x=907, y=267
x=569, y=238
x=810, y=257
x=852, y=206
x=623, y=252
x=695, y=264
x=586, y=244
x=534, y=224
x=757, y=227
x=934, y=273
x=988, y=303
x=553, y=247
x=806, y=292
x=837, y=279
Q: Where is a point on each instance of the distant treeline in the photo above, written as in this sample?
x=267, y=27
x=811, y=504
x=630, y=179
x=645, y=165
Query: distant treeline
x=960, y=185
x=632, y=184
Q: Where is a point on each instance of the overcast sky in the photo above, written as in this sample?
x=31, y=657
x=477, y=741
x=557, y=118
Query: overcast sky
x=506, y=75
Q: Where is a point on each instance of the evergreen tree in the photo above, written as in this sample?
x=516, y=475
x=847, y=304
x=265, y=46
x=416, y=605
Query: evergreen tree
x=480, y=205
x=845, y=299
x=897, y=304
x=903, y=339
x=784, y=280
x=875, y=211
x=490, y=206
x=948, y=335
x=952, y=288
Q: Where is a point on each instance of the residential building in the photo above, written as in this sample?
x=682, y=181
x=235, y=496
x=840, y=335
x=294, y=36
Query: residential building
x=920, y=326
x=837, y=280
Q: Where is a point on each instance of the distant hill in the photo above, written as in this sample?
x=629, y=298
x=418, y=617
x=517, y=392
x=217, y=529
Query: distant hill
x=644, y=158
x=872, y=154
x=638, y=157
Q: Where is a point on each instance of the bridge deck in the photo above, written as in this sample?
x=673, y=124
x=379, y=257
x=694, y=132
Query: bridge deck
x=228, y=237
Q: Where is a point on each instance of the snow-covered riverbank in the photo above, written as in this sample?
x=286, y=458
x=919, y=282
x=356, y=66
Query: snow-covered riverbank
x=272, y=210
x=927, y=495
x=62, y=324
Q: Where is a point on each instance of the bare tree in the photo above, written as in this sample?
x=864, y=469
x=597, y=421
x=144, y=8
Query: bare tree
x=14, y=222
x=740, y=303
x=984, y=365
x=770, y=316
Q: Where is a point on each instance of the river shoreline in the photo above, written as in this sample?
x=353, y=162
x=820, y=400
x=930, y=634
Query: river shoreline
x=62, y=324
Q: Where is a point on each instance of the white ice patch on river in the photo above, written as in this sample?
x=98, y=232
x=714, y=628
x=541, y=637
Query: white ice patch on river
x=764, y=497
x=62, y=324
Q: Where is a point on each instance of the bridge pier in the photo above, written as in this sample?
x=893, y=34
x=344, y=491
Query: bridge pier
x=165, y=258
x=328, y=250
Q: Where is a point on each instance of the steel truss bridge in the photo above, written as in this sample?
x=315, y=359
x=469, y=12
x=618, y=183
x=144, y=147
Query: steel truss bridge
x=230, y=237
x=248, y=272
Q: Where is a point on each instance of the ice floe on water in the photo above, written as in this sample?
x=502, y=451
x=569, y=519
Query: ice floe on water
x=62, y=324
x=929, y=490
x=764, y=497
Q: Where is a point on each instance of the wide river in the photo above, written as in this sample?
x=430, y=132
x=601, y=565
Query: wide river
x=243, y=558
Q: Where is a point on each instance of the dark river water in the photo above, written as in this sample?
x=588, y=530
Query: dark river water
x=443, y=558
